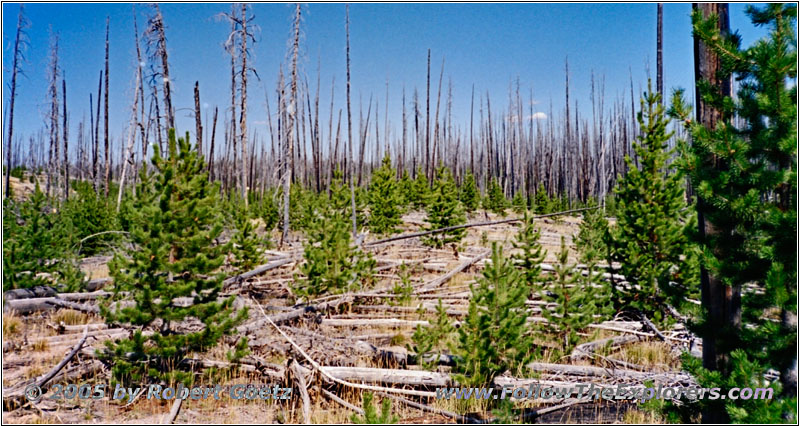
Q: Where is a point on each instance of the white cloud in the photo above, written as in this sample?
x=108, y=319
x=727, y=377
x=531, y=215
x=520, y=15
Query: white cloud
x=535, y=116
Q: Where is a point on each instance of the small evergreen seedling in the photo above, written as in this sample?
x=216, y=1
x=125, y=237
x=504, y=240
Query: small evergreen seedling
x=429, y=340
x=371, y=414
x=385, y=202
x=421, y=192
x=592, y=237
x=531, y=254
x=470, y=196
x=495, y=200
x=246, y=242
x=541, y=202
x=332, y=262
x=37, y=246
x=493, y=337
x=176, y=222
x=576, y=300
x=518, y=203
x=445, y=211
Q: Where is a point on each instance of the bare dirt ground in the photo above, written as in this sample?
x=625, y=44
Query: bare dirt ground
x=367, y=329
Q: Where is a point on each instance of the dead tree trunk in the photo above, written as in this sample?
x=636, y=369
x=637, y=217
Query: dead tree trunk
x=350, y=126
x=105, y=120
x=243, y=110
x=659, y=53
x=65, y=128
x=198, y=122
x=289, y=126
x=722, y=302
x=53, y=161
x=211, y=149
x=132, y=130
x=21, y=23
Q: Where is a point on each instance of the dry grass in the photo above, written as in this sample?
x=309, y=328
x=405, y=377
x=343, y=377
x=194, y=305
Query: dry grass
x=70, y=317
x=40, y=345
x=12, y=324
x=635, y=416
x=653, y=355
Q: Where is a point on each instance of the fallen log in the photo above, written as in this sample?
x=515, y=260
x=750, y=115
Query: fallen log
x=461, y=267
x=392, y=323
x=342, y=402
x=300, y=382
x=261, y=269
x=477, y=224
x=388, y=376
x=586, y=350
x=291, y=315
x=15, y=393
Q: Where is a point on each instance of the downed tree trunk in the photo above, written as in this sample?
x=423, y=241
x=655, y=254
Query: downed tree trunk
x=30, y=305
x=461, y=267
x=291, y=315
x=586, y=350
x=262, y=269
x=14, y=395
x=477, y=224
x=388, y=376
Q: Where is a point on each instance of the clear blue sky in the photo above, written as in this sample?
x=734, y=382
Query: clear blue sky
x=488, y=45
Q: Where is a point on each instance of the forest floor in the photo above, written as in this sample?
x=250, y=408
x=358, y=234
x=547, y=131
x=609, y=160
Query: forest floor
x=365, y=331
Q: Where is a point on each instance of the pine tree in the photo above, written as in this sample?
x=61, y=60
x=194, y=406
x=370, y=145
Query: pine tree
x=531, y=254
x=493, y=337
x=332, y=262
x=495, y=200
x=746, y=177
x=576, y=300
x=384, y=200
x=37, y=246
x=176, y=222
x=429, y=341
x=406, y=189
x=444, y=210
x=470, y=196
x=518, y=203
x=245, y=241
x=420, y=192
x=592, y=237
x=371, y=415
x=541, y=202
x=650, y=237
x=89, y=214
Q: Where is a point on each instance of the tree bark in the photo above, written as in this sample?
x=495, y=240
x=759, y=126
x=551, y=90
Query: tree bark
x=198, y=122
x=722, y=302
x=659, y=52
x=105, y=122
x=14, y=70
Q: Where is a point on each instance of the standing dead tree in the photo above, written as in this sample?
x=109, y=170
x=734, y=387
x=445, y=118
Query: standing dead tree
x=128, y=160
x=157, y=48
x=65, y=128
x=198, y=122
x=19, y=43
x=243, y=54
x=53, y=159
x=292, y=114
x=349, y=128
x=105, y=122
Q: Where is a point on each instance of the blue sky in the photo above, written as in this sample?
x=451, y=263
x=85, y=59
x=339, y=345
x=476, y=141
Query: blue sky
x=488, y=45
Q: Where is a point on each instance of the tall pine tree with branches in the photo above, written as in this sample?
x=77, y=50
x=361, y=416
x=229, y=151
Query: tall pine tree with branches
x=650, y=238
x=745, y=172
